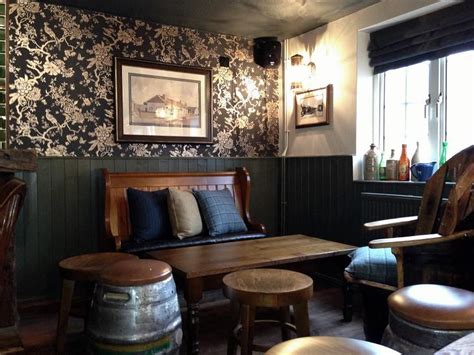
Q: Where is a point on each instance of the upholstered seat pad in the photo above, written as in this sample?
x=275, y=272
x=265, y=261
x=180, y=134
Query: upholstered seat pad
x=377, y=265
x=434, y=306
x=168, y=243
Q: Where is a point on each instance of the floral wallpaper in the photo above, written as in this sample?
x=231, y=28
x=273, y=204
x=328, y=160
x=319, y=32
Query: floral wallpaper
x=62, y=99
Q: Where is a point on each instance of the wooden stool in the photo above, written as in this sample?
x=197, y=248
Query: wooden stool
x=329, y=345
x=424, y=318
x=82, y=268
x=273, y=288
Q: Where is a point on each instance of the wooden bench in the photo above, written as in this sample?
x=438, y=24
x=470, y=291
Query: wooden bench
x=118, y=232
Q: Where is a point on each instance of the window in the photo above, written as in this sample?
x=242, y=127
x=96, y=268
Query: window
x=428, y=102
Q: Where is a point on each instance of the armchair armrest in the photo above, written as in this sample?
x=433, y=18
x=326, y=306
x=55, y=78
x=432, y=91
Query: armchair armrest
x=391, y=223
x=417, y=240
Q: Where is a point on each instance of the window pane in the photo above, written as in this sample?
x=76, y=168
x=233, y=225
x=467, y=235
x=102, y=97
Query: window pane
x=406, y=90
x=460, y=101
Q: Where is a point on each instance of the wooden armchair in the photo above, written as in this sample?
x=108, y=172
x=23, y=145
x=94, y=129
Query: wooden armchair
x=421, y=258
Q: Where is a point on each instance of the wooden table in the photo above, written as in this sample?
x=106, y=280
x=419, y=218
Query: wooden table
x=202, y=267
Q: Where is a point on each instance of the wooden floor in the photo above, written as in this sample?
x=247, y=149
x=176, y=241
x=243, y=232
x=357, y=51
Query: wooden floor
x=37, y=331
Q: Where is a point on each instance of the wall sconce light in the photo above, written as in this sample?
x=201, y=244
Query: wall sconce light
x=296, y=72
x=300, y=72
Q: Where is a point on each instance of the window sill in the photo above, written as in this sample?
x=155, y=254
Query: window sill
x=359, y=181
x=396, y=182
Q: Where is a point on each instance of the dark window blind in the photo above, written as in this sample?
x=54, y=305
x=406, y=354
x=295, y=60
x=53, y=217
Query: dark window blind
x=436, y=35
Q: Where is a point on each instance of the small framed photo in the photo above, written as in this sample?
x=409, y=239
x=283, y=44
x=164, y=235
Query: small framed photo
x=314, y=107
x=162, y=103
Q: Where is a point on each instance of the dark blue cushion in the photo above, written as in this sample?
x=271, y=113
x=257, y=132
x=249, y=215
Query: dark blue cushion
x=219, y=212
x=148, y=214
x=377, y=265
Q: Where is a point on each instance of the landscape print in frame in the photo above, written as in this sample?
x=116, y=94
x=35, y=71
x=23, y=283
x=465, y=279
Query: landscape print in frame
x=162, y=103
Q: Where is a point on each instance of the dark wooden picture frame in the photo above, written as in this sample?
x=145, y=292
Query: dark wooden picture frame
x=162, y=103
x=314, y=107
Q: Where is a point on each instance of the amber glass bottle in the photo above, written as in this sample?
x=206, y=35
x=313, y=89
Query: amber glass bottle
x=404, y=165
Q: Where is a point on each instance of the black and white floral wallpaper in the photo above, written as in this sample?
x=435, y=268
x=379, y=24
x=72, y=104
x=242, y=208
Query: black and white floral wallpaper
x=62, y=84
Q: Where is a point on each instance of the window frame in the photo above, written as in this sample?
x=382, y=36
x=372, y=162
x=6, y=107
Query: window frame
x=435, y=108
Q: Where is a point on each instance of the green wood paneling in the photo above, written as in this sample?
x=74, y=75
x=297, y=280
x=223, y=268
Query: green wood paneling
x=319, y=194
x=63, y=212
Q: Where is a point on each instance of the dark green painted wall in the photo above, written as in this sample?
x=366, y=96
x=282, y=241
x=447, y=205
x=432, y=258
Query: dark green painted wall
x=63, y=212
x=319, y=197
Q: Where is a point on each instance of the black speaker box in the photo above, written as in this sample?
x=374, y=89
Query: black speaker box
x=267, y=52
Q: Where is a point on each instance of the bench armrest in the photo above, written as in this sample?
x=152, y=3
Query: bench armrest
x=417, y=240
x=257, y=227
x=391, y=223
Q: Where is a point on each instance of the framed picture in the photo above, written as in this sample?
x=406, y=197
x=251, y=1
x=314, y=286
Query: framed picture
x=161, y=103
x=314, y=107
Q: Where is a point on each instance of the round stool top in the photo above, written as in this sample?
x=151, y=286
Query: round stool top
x=268, y=287
x=434, y=306
x=135, y=272
x=328, y=345
x=87, y=267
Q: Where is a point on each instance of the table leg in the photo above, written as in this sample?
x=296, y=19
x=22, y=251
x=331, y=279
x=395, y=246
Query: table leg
x=63, y=317
x=193, y=294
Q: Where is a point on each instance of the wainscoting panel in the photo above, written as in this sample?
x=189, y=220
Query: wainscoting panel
x=319, y=197
x=376, y=206
x=63, y=211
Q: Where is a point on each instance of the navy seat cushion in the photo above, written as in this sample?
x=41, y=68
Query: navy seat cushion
x=148, y=214
x=171, y=242
x=219, y=212
x=377, y=265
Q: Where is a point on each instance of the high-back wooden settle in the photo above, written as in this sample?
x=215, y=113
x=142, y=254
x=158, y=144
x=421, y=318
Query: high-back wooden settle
x=117, y=221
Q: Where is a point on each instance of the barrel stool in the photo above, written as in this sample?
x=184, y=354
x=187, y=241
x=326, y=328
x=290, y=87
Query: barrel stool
x=80, y=268
x=424, y=318
x=322, y=345
x=135, y=310
x=272, y=288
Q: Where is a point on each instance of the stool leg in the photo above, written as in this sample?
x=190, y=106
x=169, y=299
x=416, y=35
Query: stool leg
x=247, y=314
x=285, y=318
x=301, y=319
x=65, y=307
x=235, y=318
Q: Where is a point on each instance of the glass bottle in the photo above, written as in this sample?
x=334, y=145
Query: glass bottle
x=415, y=159
x=370, y=164
x=391, y=171
x=404, y=165
x=382, y=167
x=442, y=156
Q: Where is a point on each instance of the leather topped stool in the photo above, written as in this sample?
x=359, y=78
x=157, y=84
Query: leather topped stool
x=272, y=288
x=135, y=310
x=81, y=268
x=322, y=345
x=424, y=318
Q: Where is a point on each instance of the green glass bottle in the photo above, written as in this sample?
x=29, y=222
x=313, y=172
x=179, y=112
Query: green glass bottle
x=382, y=167
x=442, y=156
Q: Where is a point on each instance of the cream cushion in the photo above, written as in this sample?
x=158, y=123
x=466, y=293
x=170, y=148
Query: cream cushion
x=184, y=213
